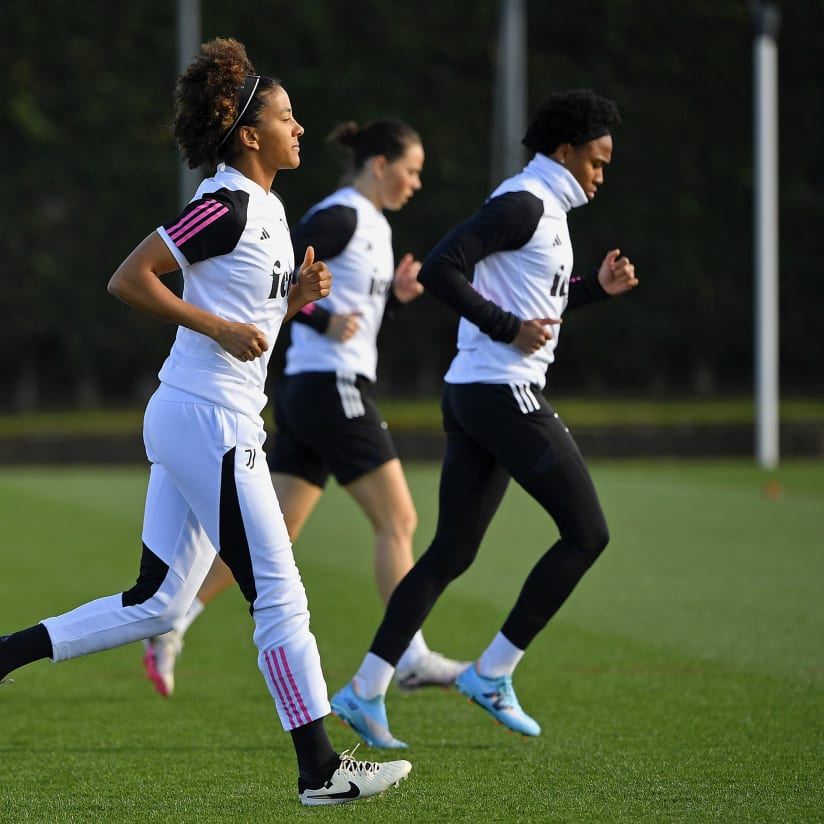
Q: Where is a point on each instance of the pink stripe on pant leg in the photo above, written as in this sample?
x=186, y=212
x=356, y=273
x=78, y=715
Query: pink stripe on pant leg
x=277, y=686
x=287, y=675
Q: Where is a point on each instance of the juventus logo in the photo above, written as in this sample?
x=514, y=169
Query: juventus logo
x=250, y=458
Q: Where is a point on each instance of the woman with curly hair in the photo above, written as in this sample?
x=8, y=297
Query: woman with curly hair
x=209, y=487
x=326, y=416
x=517, y=253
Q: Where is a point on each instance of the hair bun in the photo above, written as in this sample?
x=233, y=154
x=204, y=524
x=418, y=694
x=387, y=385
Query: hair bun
x=345, y=133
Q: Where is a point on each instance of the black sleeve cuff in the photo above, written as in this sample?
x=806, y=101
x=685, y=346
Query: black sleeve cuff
x=316, y=318
x=584, y=290
x=505, y=326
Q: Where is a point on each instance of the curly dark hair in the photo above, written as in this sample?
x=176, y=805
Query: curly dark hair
x=206, y=101
x=390, y=138
x=576, y=116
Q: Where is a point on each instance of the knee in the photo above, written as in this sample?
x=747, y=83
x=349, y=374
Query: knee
x=405, y=522
x=152, y=574
x=590, y=539
x=594, y=542
x=162, y=605
x=276, y=626
x=444, y=562
x=162, y=611
x=398, y=526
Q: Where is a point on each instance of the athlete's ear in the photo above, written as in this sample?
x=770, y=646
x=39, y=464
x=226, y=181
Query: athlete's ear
x=248, y=137
x=561, y=153
x=379, y=164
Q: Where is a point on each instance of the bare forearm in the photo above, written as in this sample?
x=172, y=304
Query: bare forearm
x=137, y=282
x=296, y=300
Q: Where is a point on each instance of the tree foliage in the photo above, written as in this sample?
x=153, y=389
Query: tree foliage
x=91, y=169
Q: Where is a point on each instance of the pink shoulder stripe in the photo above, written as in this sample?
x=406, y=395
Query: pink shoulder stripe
x=196, y=221
x=204, y=207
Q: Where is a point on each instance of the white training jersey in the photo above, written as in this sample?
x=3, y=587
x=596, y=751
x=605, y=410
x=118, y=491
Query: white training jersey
x=508, y=263
x=233, y=246
x=363, y=268
x=530, y=281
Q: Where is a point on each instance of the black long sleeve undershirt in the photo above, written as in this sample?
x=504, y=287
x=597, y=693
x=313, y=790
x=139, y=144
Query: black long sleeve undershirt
x=328, y=232
x=504, y=223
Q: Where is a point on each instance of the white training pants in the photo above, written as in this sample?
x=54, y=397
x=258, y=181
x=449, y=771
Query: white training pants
x=210, y=488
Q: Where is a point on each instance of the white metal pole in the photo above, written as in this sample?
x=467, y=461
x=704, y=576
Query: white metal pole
x=765, y=58
x=510, y=92
x=188, y=43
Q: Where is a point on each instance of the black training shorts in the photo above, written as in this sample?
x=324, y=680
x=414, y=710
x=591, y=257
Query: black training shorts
x=328, y=423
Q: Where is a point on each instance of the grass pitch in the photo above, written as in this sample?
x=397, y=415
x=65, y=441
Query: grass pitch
x=682, y=682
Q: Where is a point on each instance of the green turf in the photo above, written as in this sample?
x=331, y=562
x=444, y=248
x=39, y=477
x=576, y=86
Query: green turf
x=682, y=682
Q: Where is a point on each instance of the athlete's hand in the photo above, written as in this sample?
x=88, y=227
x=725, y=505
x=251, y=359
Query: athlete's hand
x=533, y=334
x=405, y=285
x=314, y=278
x=617, y=274
x=243, y=341
x=342, y=326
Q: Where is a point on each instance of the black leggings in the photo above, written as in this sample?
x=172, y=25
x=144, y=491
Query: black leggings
x=490, y=438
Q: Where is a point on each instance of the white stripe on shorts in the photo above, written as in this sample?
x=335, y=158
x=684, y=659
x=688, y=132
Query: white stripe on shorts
x=350, y=396
x=523, y=394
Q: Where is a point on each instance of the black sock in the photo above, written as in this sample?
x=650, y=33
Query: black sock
x=317, y=759
x=23, y=647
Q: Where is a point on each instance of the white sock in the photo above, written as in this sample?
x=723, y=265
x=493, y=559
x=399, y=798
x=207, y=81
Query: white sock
x=186, y=621
x=499, y=658
x=374, y=677
x=414, y=652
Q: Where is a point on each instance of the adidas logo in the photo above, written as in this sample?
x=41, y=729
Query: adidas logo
x=264, y=235
x=557, y=241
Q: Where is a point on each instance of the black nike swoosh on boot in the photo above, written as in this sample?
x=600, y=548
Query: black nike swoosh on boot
x=352, y=792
